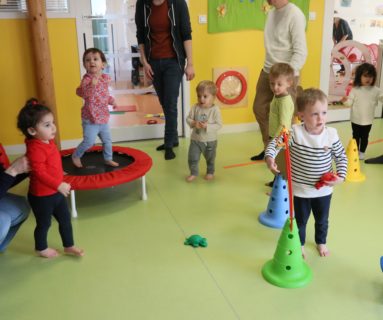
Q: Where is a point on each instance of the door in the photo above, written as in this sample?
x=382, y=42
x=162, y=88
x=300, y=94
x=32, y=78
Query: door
x=109, y=26
x=367, y=29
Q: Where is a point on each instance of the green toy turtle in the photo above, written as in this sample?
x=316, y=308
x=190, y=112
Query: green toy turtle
x=196, y=241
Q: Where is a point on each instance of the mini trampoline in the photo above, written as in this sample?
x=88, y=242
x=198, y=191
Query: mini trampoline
x=133, y=164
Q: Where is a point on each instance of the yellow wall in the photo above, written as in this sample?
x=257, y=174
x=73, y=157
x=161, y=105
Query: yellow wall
x=231, y=49
x=66, y=73
x=245, y=49
x=18, y=82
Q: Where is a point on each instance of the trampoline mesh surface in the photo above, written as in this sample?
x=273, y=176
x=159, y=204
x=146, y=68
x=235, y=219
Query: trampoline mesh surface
x=93, y=163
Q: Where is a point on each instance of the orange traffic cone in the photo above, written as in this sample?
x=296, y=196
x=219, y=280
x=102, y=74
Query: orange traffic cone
x=353, y=171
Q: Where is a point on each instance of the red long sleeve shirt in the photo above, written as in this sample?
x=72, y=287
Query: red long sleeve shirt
x=46, y=167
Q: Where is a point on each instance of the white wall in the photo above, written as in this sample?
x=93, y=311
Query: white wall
x=365, y=18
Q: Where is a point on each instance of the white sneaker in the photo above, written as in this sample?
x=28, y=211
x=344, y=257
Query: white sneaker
x=361, y=155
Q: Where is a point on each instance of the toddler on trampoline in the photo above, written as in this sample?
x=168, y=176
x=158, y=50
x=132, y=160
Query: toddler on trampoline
x=95, y=113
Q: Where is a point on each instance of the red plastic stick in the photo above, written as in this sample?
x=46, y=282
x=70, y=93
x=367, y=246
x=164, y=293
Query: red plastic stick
x=288, y=173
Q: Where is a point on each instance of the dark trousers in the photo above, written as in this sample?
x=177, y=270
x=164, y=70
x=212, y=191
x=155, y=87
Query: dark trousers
x=320, y=207
x=360, y=134
x=44, y=208
x=166, y=81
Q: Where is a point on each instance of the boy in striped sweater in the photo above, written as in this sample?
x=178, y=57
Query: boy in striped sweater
x=313, y=147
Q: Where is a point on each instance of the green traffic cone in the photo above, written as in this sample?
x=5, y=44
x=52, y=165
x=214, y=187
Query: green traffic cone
x=288, y=269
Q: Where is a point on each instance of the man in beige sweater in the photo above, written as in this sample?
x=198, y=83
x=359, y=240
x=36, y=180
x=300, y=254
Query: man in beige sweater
x=285, y=41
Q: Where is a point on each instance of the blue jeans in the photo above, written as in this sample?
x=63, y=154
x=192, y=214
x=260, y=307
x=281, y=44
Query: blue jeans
x=90, y=132
x=167, y=79
x=14, y=210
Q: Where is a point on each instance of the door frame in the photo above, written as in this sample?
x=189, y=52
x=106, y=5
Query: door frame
x=140, y=132
x=342, y=114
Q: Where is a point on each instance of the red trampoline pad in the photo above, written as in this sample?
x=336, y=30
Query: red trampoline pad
x=138, y=165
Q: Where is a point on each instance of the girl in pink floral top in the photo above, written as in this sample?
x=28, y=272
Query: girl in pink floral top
x=95, y=112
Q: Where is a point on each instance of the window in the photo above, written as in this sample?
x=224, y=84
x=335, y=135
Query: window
x=58, y=6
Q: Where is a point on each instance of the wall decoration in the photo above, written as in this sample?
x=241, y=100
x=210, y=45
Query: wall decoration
x=232, y=86
x=232, y=15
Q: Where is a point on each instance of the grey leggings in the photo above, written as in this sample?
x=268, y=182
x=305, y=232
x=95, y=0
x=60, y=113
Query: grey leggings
x=208, y=149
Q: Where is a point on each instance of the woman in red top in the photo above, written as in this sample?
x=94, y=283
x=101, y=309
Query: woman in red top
x=47, y=191
x=165, y=43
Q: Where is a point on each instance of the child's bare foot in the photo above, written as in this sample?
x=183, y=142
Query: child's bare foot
x=77, y=162
x=111, y=163
x=190, y=178
x=75, y=251
x=303, y=252
x=48, y=253
x=323, y=250
x=209, y=177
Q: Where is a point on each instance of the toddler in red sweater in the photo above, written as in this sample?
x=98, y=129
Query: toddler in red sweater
x=47, y=191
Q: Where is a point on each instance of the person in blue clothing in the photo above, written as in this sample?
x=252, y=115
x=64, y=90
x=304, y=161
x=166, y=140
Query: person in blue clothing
x=165, y=45
x=14, y=209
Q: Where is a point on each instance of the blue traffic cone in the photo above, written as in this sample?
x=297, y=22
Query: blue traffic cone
x=278, y=208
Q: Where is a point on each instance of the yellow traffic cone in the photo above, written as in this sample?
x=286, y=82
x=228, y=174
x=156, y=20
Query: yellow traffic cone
x=353, y=171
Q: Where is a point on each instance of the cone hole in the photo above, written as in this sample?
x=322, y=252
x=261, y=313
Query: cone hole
x=288, y=268
x=285, y=199
x=272, y=198
x=355, y=160
x=355, y=170
x=287, y=211
x=270, y=210
x=289, y=252
x=284, y=186
x=354, y=150
x=290, y=236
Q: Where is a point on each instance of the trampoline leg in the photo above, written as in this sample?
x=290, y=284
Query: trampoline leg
x=144, y=194
x=73, y=204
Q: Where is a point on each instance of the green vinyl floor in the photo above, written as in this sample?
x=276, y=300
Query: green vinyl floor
x=136, y=266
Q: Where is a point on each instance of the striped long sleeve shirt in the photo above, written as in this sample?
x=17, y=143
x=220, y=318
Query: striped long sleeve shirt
x=311, y=157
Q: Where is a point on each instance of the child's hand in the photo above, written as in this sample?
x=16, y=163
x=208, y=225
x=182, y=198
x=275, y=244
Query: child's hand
x=336, y=180
x=203, y=124
x=64, y=189
x=343, y=100
x=272, y=165
x=198, y=124
x=114, y=105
